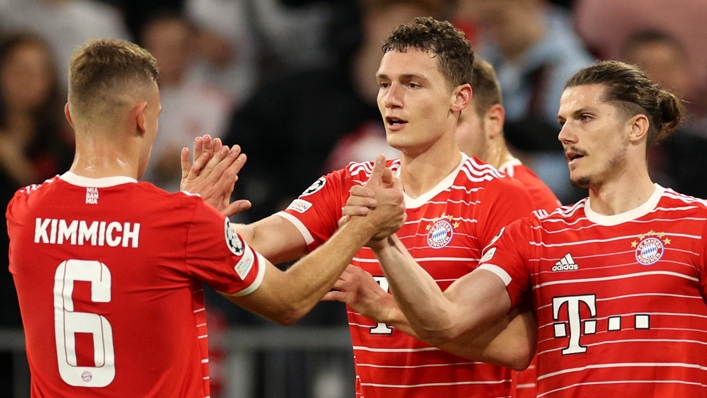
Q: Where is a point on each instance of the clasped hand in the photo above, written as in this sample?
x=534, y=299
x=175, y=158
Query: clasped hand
x=380, y=199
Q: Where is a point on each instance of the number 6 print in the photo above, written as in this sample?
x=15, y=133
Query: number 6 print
x=67, y=323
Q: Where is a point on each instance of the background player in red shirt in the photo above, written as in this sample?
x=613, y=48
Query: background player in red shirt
x=480, y=133
x=455, y=206
x=109, y=270
x=618, y=280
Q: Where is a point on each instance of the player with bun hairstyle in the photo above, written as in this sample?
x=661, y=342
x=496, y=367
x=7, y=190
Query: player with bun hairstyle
x=628, y=313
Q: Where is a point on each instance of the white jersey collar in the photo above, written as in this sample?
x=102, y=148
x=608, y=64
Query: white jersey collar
x=105, y=182
x=632, y=214
x=447, y=182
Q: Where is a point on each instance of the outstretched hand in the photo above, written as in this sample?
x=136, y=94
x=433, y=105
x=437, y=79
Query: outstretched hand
x=214, y=173
x=381, y=199
x=360, y=291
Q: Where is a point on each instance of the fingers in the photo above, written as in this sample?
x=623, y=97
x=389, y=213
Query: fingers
x=195, y=168
x=208, y=144
x=378, y=170
x=387, y=178
x=221, y=160
x=228, y=177
x=358, y=206
x=184, y=160
x=361, y=191
x=236, y=207
x=198, y=147
x=217, y=145
x=334, y=295
x=343, y=220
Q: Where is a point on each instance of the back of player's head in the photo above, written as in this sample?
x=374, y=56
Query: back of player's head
x=633, y=93
x=106, y=75
x=485, y=86
x=440, y=39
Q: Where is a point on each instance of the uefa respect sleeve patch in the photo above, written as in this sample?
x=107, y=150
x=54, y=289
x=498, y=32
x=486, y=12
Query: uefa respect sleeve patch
x=244, y=266
x=299, y=205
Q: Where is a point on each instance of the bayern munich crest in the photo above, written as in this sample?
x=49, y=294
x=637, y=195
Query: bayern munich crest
x=650, y=247
x=441, y=232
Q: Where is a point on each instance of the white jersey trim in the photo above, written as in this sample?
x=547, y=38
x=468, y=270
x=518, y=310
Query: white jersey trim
x=262, y=264
x=509, y=166
x=498, y=271
x=632, y=214
x=105, y=182
x=413, y=203
x=308, y=238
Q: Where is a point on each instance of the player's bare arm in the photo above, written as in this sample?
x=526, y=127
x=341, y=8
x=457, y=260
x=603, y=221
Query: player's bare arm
x=470, y=304
x=213, y=174
x=509, y=342
x=286, y=296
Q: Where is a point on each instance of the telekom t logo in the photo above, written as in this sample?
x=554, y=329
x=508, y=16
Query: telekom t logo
x=614, y=322
x=382, y=328
x=574, y=320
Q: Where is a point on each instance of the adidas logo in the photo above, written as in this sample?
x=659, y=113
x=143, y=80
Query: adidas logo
x=566, y=263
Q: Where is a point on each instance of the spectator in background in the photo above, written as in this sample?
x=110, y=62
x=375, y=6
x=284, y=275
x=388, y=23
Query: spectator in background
x=226, y=45
x=191, y=107
x=679, y=162
x=606, y=25
x=63, y=24
x=291, y=125
x=533, y=47
x=34, y=145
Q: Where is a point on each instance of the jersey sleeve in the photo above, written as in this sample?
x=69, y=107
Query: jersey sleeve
x=217, y=255
x=317, y=211
x=506, y=256
x=504, y=201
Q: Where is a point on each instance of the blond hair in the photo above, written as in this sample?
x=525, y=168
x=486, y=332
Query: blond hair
x=105, y=75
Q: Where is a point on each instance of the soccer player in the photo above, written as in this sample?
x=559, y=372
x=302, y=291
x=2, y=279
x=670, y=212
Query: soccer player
x=617, y=281
x=479, y=133
x=455, y=205
x=109, y=270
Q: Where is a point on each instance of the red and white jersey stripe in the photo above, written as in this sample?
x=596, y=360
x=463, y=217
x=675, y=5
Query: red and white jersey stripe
x=620, y=300
x=446, y=231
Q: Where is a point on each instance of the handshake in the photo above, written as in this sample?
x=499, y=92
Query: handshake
x=380, y=202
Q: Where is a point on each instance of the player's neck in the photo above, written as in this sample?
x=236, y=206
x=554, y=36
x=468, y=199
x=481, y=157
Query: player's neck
x=422, y=172
x=621, y=194
x=499, y=156
x=98, y=159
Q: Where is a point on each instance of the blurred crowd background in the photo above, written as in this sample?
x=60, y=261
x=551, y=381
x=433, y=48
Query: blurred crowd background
x=292, y=82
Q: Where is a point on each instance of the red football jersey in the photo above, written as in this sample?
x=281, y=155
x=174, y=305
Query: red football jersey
x=109, y=278
x=620, y=300
x=446, y=231
x=543, y=199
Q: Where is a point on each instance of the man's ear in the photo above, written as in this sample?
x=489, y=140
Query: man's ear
x=493, y=120
x=67, y=113
x=639, y=125
x=138, y=112
x=461, y=97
